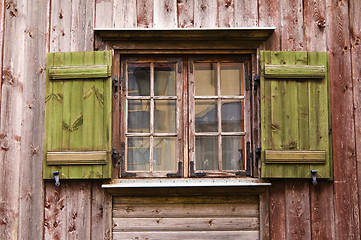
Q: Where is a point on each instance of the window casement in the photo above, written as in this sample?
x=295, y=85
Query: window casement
x=185, y=116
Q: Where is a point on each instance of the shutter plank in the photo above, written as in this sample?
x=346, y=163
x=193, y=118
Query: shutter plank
x=274, y=156
x=64, y=158
x=80, y=71
x=294, y=71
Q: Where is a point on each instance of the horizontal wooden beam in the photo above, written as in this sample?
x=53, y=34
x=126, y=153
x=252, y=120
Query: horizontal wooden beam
x=294, y=71
x=295, y=156
x=76, y=158
x=71, y=72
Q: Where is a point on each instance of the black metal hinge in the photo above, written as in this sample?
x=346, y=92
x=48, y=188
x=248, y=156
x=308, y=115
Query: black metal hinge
x=179, y=63
x=195, y=174
x=248, y=158
x=116, y=85
x=178, y=173
x=248, y=77
x=256, y=84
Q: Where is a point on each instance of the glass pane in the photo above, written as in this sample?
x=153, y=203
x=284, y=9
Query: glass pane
x=165, y=116
x=206, y=116
x=138, y=154
x=138, y=116
x=165, y=154
x=233, y=153
x=138, y=79
x=164, y=79
x=232, y=116
x=206, y=153
x=231, y=79
x=205, y=79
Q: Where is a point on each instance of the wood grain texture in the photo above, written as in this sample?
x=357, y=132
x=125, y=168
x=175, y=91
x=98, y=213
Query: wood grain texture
x=145, y=13
x=355, y=35
x=205, y=14
x=103, y=13
x=226, y=13
x=277, y=203
x=270, y=16
x=124, y=14
x=246, y=13
x=185, y=13
x=347, y=216
x=165, y=14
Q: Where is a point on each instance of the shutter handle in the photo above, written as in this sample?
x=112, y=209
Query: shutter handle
x=115, y=85
x=56, y=178
x=314, y=177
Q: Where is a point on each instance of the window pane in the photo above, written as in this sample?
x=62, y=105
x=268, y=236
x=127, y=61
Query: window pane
x=206, y=116
x=165, y=116
x=164, y=79
x=232, y=116
x=138, y=79
x=138, y=154
x=205, y=79
x=233, y=153
x=138, y=116
x=231, y=79
x=206, y=153
x=165, y=154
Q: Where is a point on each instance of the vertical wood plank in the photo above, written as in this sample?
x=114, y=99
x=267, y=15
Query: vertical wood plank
x=343, y=133
x=277, y=211
x=355, y=28
x=314, y=22
x=125, y=14
x=60, y=29
x=165, y=14
x=103, y=13
x=185, y=13
x=101, y=213
x=270, y=17
x=226, y=13
x=144, y=14
x=205, y=14
x=31, y=197
x=246, y=13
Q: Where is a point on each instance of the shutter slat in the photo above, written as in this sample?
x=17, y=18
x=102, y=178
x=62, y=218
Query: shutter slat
x=85, y=72
x=284, y=156
x=294, y=71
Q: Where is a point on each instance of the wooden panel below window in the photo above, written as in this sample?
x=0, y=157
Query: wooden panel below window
x=186, y=217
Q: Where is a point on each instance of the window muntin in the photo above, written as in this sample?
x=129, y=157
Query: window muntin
x=214, y=95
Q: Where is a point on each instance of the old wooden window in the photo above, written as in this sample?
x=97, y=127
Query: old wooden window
x=185, y=116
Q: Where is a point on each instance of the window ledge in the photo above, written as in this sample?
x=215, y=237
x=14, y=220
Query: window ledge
x=186, y=182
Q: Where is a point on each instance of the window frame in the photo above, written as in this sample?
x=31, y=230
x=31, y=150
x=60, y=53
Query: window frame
x=249, y=58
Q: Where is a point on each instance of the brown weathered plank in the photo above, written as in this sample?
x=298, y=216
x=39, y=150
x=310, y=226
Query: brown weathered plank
x=270, y=17
x=226, y=13
x=144, y=14
x=185, y=13
x=246, y=13
x=101, y=213
x=277, y=210
x=165, y=14
x=185, y=210
x=298, y=222
x=264, y=215
x=205, y=14
x=206, y=235
x=315, y=25
x=186, y=224
x=343, y=132
x=355, y=28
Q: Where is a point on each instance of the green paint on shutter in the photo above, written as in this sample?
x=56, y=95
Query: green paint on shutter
x=295, y=115
x=78, y=115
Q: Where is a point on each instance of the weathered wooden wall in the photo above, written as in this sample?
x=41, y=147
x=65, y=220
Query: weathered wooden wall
x=80, y=210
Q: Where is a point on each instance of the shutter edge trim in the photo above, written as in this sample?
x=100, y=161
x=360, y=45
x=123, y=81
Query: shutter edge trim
x=294, y=71
x=74, y=72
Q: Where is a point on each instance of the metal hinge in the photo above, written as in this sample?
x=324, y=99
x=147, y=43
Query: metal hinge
x=256, y=84
x=178, y=173
x=249, y=157
x=195, y=174
x=179, y=63
x=191, y=64
x=116, y=85
x=248, y=76
x=122, y=163
x=257, y=155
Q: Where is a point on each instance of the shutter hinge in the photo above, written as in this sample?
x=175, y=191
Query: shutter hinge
x=116, y=85
x=122, y=163
x=249, y=156
x=179, y=172
x=256, y=84
x=257, y=155
x=56, y=178
x=115, y=158
x=195, y=174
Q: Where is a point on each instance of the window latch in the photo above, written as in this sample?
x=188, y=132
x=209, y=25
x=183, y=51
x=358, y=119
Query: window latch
x=115, y=158
x=116, y=85
x=314, y=177
x=256, y=83
x=56, y=178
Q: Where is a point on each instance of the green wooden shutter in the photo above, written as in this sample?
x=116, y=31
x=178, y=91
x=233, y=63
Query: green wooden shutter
x=295, y=115
x=78, y=116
